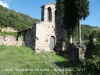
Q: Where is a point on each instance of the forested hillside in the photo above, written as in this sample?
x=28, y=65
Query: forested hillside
x=86, y=30
x=20, y=21
x=17, y=20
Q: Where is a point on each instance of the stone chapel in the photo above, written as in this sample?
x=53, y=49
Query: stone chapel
x=48, y=33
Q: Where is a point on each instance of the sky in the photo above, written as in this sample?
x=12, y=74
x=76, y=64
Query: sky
x=33, y=9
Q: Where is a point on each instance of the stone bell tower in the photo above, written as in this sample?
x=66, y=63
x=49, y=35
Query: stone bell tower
x=45, y=34
x=48, y=12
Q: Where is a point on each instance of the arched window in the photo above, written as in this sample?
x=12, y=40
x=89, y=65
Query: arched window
x=49, y=14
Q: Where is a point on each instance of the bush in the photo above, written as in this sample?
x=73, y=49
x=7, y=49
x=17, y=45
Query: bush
x=92, y=61
x=93, y=47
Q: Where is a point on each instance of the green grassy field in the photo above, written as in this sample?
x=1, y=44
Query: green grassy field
x=24, y=61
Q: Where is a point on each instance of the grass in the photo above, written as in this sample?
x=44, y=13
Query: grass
x=24, y=61
x=8, y=33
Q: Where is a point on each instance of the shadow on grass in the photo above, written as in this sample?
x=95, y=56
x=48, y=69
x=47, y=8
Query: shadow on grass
x=68, y=64
x=71, y=67
x=77, y=68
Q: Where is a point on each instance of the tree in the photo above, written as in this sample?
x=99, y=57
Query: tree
x=72, y=12
x=17, y=20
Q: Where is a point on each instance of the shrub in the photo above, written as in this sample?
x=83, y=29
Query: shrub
x=93, y=47
x=92, y=61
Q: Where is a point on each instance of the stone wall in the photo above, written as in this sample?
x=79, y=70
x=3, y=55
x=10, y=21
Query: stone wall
x=8, y=29
x=44, y=31
x=30, y=37
x=9, y=40
x=44, y=13
x=76, y=52
x=38, y=37
x=60, y=46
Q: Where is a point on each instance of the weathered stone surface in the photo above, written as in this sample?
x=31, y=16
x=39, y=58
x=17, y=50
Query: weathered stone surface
x=30, y=38
x=8, y=29
x=20, y=41
x=81, y=56
x=38, y=38
x=76, y=52
x=10, y=41
x=80, y=50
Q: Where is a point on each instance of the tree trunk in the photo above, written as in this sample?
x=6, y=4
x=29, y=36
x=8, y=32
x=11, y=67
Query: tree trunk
x=79, y=31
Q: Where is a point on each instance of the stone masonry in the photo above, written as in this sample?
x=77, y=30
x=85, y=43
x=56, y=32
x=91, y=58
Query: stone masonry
x=9, y=40
x=38, y=37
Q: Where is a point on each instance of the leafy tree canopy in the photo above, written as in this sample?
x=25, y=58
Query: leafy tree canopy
x=17, y=20
x=72, y=11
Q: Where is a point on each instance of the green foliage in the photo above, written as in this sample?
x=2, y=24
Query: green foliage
x=8, y=33
x=92, y=61
x=24, y=58
x=93, y=47
x=95, y=34
x=75, y=33
x=17, y=20
x=89, y=67
x=86, y=67
x=0, y=30
x=86, y=30
x=72, y=11
x=92, y=66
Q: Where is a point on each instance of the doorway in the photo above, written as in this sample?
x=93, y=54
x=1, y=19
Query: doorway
x=52, y=42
